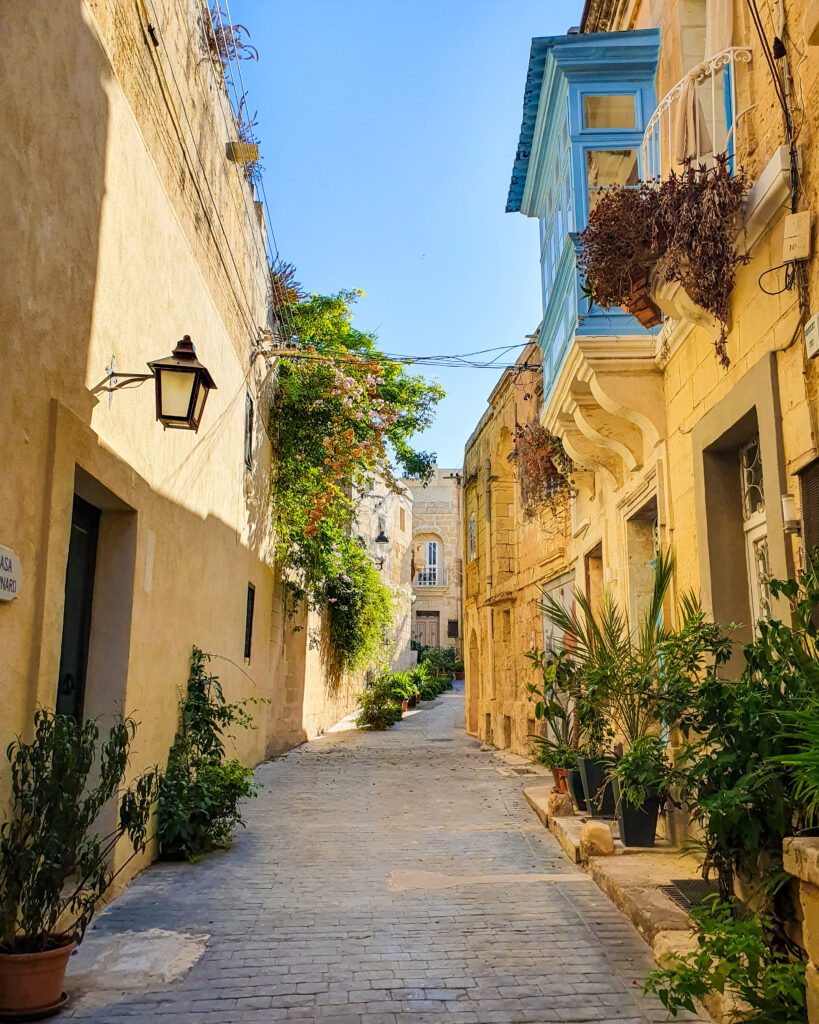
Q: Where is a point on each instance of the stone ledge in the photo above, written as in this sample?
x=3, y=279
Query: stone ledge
x=801, y=858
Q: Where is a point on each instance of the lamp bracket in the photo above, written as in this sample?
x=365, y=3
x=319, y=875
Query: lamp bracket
x=114, y=380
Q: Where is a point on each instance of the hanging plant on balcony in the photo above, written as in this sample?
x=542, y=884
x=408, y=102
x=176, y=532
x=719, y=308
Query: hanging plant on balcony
x=682, y=229
x=544, y=468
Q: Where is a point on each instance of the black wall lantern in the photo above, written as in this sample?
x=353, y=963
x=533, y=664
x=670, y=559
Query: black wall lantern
x=182, y=386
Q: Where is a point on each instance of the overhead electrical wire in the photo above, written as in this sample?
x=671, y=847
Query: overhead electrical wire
x=194, y=177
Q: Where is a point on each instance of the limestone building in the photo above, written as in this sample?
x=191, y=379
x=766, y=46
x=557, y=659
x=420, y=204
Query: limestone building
x=671, y=447
x=436, y=563
x=512, y=552
x=128, y=225
x=384, y=524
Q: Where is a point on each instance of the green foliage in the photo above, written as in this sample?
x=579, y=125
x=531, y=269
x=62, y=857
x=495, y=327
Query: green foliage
x=734, y=957
x=748, y=743
x=339, y=410
x=379, y=706
x=555, y=700
x=54, y=867
x=643, y=771
x=200, y=792
x=442, y=661
x=619, y=674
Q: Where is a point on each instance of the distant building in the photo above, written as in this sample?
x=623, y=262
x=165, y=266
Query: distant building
x=436, y=569
x=384, y=524
x=512, y=554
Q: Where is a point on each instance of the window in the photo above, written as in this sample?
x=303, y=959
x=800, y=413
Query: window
x=429, y=575
x=610, y=111
x=606, y=167
x=755, y=527
x=452, y=629
x=251, y=602
x=473, y=538
x=249, y=430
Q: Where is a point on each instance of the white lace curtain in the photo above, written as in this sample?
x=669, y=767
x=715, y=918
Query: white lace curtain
x=691, y=135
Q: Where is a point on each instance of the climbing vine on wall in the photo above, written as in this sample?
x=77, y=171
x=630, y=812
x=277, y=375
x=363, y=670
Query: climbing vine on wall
x=342, y=415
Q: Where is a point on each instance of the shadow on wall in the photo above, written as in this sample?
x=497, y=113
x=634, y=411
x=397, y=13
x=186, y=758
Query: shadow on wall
x=55, y=120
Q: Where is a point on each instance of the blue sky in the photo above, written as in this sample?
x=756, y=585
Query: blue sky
x=388, y=130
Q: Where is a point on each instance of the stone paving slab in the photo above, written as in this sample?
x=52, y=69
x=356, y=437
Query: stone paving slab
x=383, y=878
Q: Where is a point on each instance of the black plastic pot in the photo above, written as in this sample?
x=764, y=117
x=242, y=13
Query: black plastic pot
x=576, y=790
x=598, y=792
x=638, y=825
x=413, y=701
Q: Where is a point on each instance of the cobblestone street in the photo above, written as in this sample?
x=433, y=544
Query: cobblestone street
x=383, y=877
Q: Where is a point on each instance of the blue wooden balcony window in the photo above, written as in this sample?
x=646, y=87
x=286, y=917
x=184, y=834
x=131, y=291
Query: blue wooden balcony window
x=587, y=103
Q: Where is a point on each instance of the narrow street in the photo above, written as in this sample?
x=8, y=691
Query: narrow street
x=383, y=877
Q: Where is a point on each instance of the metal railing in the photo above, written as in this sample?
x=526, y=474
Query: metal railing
x=711, y=117
x=432, y=576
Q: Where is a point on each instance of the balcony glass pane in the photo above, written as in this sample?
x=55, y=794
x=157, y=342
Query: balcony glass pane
x=606, y=167
x=609, y=111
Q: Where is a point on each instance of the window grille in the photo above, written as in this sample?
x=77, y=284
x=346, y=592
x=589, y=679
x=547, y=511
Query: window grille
x=251, y=603
x=452, y=629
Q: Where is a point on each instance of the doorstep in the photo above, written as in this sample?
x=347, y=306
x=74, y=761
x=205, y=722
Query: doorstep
x=623, y=876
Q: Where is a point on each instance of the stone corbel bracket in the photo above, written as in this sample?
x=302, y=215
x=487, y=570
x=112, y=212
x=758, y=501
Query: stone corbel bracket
x=608, y=405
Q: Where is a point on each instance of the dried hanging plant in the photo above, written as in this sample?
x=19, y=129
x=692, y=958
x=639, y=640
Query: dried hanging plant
x=285, y=287
x=544, y=468
x=683, y=229
x=227, y=42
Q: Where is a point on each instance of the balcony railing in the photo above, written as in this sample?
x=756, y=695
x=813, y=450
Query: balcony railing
x=432, y=576
x=696, y=118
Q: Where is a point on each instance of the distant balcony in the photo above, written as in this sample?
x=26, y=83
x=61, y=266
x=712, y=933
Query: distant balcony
x=433, y=576
x=708, y=126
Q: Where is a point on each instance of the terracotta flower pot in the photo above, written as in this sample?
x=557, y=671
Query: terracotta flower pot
x=405, y=704
x=32, y=983
x=642, y=306
x=561, y=780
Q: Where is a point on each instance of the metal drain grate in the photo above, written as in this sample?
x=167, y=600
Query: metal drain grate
x=689, y=892
x=440, y=739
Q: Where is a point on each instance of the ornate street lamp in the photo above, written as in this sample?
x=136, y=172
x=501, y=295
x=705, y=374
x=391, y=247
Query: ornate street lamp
x=382, y=547
x=182, y=386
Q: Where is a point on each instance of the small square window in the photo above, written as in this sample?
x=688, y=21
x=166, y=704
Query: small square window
x=617, y=111
x=452, y=629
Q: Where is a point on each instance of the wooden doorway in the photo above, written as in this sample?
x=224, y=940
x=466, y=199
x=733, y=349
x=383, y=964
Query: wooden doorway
x=79, y=590
x=428, y=629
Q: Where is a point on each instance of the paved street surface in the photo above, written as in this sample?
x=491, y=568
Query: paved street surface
x=383, y=878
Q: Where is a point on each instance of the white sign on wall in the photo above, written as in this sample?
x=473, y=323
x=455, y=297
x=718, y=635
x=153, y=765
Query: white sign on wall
x=11, y=574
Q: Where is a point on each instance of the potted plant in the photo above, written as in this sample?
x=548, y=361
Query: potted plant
x=459, y=669
x=54, y=867
x=640, y=782
x=680, y=229
x=554, y=706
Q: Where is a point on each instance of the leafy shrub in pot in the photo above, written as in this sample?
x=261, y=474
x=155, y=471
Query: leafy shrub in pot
x=640, y=783
x=54, y=866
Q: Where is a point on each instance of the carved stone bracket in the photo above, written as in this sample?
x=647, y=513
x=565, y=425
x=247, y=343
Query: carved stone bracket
x=608, y=405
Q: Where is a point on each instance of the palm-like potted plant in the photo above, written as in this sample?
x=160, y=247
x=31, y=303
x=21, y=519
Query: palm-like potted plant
x=54, y=866
x=620, y=677
x=554, y=706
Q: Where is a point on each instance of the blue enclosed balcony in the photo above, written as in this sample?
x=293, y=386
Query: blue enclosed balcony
x=587, y=105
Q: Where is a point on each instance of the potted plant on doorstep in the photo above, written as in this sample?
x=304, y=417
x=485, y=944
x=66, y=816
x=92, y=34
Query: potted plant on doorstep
x=620, y=675
x=640, y=784
x=54, y=866
x=554, y=707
